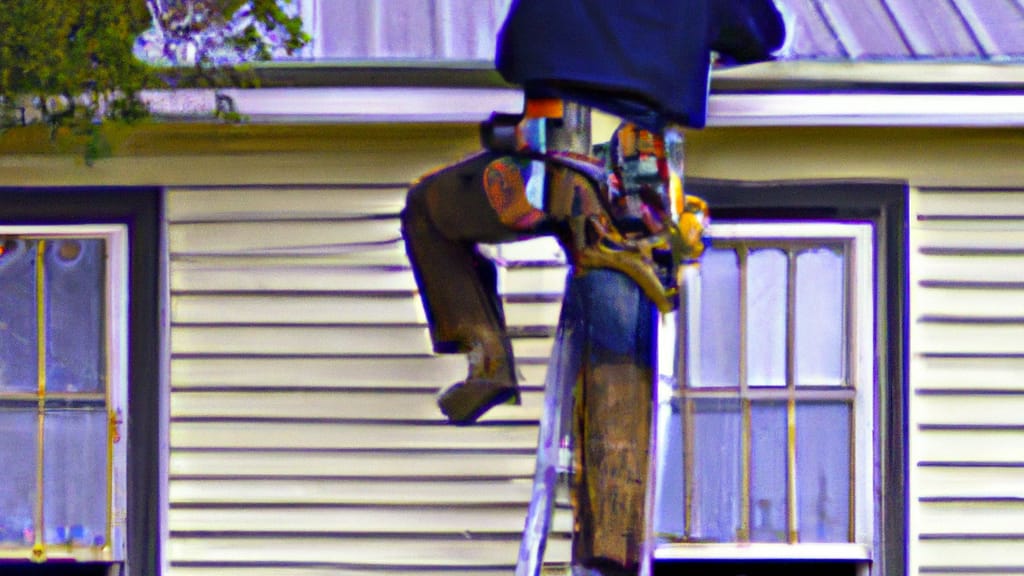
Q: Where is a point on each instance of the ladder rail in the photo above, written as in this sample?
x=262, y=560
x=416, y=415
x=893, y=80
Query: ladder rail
x=563, y=369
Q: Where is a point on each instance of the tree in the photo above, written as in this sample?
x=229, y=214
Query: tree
x=70, y=60
x=72, y=63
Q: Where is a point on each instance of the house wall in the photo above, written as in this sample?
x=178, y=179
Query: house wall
x=304, y=437
x=303, y=432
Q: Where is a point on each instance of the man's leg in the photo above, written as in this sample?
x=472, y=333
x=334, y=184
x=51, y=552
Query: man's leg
x=446, y=214
x=613, y=419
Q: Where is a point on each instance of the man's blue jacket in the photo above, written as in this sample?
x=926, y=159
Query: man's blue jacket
x=647, y=61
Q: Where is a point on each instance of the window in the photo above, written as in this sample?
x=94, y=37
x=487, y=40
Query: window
x=82, y=408
x=62, y=391
x=430, y=30
x=775, y=391
x=775, y=428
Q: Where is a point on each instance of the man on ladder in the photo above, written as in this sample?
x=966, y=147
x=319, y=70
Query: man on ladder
x=624, y=222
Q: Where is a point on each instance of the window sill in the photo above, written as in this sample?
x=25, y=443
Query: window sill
x=757, y=551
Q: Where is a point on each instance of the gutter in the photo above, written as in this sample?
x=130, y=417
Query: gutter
x=768, y=94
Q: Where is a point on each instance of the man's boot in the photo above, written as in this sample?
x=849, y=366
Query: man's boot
x=491, y=381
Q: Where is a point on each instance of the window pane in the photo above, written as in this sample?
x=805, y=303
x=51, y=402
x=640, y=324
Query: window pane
x=716, y=362
x=357, y=17
x=18, y=336
x=407, y=32
x=768, y=472
x=75, y=477
x=75, y=287
x=18, y=488
x=408, y=29
x=717, y=469
x=823, y=471
x=670, y=484
x=469, y=28
x=820, y=318
x=766, y=318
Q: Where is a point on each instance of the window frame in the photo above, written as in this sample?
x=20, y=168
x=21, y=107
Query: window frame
x=858, y=240
x=115, y=314
x=145, y=426
x=884, y=204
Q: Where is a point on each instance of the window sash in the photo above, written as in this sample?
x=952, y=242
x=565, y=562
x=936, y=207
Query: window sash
x=79, y=408
x=856, y=390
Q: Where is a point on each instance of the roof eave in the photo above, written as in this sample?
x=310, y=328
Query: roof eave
x=768, y=94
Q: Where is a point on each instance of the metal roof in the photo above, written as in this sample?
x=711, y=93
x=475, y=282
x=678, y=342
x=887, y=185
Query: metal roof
x=987, y=30
x=433, y=32
x=819, y=30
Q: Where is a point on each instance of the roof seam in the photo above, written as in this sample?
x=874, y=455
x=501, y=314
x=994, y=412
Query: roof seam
x=955, y=5
x=899, y=28
x=827, y=21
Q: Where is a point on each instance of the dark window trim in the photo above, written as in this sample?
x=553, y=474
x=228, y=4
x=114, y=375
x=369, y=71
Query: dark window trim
x=754, y=567
x=883, y=202
x=140, y=209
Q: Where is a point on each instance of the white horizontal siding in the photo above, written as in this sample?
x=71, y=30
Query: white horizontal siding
x=966, y=337
x=337, y=491
x=970, y=407
x=967, y=381
x=251, y=237
x=388, y=555
x=216, y=435
x=354, y=340
x=533, y=348
x=296, y=308
x=975, y=304
x=387, y=254
x=339, y=520
x=310, y=404
x=217, y=464
x=304, y=431
x=995, y=203
x=982, y=482
x=298, y=202
x=980, y=233
x=976, y=446
x=290, y=274
x=297, y=372
x=959, y=554
x=956, y=373
x=978, y=268
x=971, y=518
x=546, y=280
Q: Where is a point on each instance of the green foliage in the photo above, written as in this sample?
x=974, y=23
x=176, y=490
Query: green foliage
x=69, y=59
x=70, y=63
